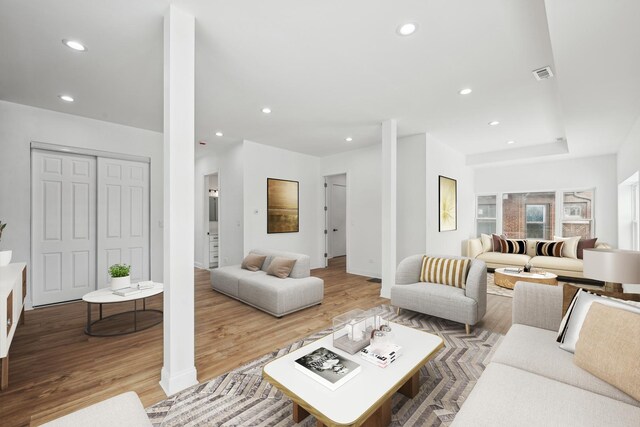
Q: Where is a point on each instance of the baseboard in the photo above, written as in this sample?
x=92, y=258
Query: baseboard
x=177, y=382
x=364, y=273
x=198, y=265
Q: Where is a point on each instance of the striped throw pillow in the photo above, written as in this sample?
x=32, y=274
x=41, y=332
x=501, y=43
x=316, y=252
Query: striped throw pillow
x=513, y=246
x=544, y=248
x=445, y=271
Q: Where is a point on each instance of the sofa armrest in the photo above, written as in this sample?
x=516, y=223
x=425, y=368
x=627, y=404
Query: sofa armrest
x=476, y=285
x=408, y=270
x=474, y=248
x=537, y=305
x=603, y=245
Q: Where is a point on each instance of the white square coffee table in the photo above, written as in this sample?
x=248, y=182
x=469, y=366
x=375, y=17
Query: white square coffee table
x=366, y=398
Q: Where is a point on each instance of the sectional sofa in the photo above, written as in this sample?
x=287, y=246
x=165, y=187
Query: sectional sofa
x=271, y=294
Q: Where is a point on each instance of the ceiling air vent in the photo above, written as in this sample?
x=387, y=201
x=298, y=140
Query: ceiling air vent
x=543, y=73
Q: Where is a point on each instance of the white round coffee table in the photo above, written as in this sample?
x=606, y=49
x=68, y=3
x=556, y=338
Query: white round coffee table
x=106, y=296
x=508, y=279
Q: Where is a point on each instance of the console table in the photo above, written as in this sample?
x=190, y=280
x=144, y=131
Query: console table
x=13, y=289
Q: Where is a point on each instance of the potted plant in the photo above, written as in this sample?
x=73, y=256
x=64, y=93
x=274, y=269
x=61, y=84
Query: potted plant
x=5, y=256
x=120, y=276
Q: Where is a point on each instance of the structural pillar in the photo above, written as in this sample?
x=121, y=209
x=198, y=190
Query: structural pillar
x=389, y=166
x=178, y=370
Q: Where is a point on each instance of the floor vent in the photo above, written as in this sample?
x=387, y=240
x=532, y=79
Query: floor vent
x=543, y=73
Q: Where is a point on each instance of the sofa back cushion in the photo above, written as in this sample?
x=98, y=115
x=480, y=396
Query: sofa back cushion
x=253, y=262
x=546, y=248
x=445, y=271
x=513, y=246
x=300, y=269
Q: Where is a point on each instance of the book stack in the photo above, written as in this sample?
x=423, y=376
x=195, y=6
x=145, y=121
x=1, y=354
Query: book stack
x=381, y=359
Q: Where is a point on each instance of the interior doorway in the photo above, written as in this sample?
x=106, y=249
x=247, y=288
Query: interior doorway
x=212, y=243
x=336, y=218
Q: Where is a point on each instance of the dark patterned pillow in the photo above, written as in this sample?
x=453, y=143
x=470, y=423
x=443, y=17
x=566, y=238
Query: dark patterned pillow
x=513, y=246
x=545, y=248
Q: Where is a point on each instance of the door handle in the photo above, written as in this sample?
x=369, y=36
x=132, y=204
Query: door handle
x=335, y=229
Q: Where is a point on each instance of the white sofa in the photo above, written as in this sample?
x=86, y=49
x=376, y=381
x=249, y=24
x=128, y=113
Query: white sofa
x=531, y=382
x=564, y=267
x=269, y=293
x=467, y=305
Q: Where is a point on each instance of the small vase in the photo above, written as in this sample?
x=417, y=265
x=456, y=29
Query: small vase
x=120, y=282
x=5, y=258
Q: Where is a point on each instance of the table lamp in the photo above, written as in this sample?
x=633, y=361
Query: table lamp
x=612, y=266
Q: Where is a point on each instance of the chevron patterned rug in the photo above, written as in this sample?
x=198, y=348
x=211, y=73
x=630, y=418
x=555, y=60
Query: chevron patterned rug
x=243, y=398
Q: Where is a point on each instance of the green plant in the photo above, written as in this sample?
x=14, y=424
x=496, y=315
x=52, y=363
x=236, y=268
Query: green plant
x=119, y=270
x=2, y=226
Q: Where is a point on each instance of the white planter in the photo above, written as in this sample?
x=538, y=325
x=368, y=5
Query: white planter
x=120, y=282
x=5, y=257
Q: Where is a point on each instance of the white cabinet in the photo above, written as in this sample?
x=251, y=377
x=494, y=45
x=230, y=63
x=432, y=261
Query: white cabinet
x=13, y=288
x=213, y=250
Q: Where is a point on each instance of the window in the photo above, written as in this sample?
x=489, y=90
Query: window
x=577, y=219
x=528, y=215
x=486, y=214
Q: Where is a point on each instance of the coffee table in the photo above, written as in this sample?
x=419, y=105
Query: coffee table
x=508, y=280
x=366, y=398
x=106, y=296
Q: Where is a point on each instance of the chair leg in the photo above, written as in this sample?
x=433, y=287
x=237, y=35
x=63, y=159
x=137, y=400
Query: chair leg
x=467, y=329
x=398, y=311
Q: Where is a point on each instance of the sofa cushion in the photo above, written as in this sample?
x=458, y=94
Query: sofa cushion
x=445, y=271
x=585, y=244
x=253, y=262
x=302, y=267
x=513, y=246
x=225, y=279
x=487, y=242
x=496, y=238
x=536, y=350
x=570, y=248
x=505, y=396
x=280, y=267
x=555, y=263
x=504, y=259
x=280, y=296
x=552, y=249
x=437, y=300
x=609, y=347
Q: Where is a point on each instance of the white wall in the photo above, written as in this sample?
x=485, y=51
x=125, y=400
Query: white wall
x=229, y=166
x=411, y=202
x=628, y=158
x=364, y=221
x=20, y=125
x=262, y=162
x=443, y=160
x=582, y=173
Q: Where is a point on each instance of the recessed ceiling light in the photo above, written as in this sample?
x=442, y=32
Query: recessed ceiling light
x=465, y=91
x=511, y=142
x=66, y=98
x=494, y=123
x=407, y=29
x=348, y=139
x=75, y=45
x=266, y=110
x=218, y=133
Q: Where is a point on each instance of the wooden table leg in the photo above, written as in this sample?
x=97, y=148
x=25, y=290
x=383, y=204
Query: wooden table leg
x=411, y=387
x=299, y=413
x=4, y=373
x=382, y=416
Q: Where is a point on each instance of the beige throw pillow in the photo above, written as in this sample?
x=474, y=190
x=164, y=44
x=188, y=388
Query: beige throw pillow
x=445, y=271
x=608, y=347
x=487, y=243
x=570, y=248
x=253, y=262
x=281, y=267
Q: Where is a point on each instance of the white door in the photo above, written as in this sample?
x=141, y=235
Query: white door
x=63, y=231
x=338, y=220
x=123, y=218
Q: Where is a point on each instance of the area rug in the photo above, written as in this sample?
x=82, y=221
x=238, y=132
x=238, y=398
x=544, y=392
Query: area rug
x=243, y=398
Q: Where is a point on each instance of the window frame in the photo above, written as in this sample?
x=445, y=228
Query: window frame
x=564, y=219
x=494, y=219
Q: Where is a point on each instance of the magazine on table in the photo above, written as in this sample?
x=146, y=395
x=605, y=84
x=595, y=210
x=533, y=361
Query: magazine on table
x=327, y=367
x=381, y=359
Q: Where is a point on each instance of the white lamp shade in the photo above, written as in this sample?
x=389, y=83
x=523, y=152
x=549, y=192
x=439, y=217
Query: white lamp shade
x=612, y=265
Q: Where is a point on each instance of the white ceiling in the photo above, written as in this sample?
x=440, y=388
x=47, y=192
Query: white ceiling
x=333, y=69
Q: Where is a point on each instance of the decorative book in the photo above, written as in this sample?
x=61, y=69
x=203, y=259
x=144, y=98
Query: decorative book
x=125, y=292
x=328, y=368
x=381, y=359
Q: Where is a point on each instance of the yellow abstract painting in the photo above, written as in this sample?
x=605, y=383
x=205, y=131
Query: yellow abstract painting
x=448, y=203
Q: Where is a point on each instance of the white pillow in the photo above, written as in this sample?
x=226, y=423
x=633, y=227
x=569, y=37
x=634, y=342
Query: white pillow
x=570, y=247
x=487, y=243
x=576, y=313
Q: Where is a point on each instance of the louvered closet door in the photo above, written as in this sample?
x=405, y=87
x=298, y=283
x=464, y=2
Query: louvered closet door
x=63, y=230
x=123, y=218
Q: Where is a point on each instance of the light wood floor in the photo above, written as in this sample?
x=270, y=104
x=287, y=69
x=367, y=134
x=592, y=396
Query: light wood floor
x=55, y=368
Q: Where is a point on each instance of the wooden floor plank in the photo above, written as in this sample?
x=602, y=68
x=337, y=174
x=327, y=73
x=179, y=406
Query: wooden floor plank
x=56, y=368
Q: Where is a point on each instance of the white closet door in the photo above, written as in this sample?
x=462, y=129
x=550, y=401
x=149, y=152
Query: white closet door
x=63, y=226
x=123, y=218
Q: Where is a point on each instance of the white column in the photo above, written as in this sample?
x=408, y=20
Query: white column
x=389, y=165
x=178, y=370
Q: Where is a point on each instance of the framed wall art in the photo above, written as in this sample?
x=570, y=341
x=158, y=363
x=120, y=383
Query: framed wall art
x=283, y=206
x=447, y=203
